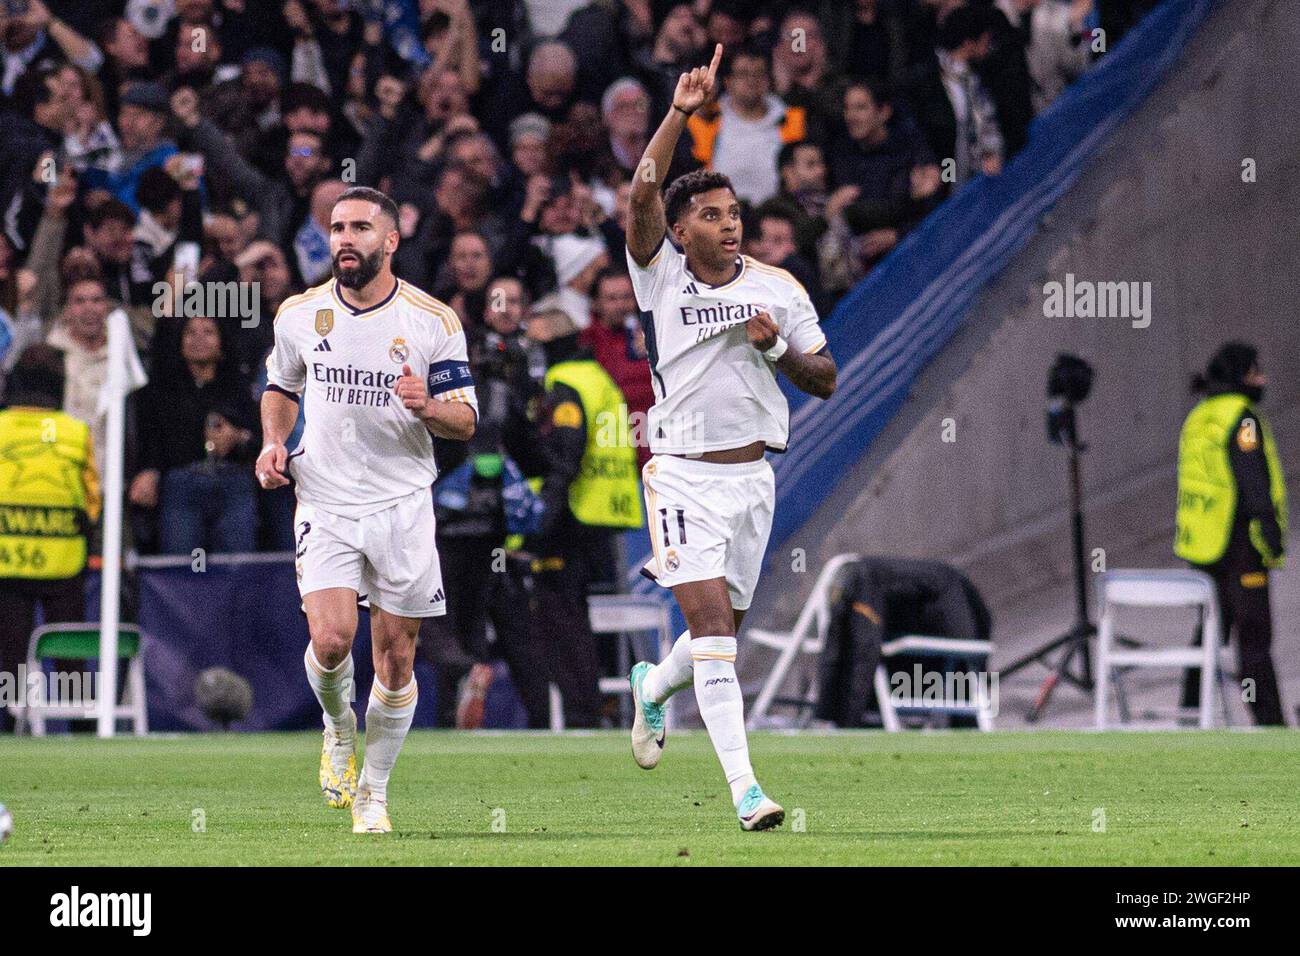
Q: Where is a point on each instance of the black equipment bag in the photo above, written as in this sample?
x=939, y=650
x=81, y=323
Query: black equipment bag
x=876, y=600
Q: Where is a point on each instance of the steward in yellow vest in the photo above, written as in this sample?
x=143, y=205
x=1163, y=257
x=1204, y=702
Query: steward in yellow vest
x=49, y=497
x=591, y=492
x=1232, y=515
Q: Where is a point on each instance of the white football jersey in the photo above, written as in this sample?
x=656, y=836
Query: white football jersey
x=713, y=390
x=362, y=450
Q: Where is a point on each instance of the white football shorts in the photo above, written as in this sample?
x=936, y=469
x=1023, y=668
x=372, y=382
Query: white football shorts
x=389, y=558
x=708, y=521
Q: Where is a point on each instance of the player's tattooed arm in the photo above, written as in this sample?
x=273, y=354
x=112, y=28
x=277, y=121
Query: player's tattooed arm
x=647, y=224
x=814, y=374
x=455, y=420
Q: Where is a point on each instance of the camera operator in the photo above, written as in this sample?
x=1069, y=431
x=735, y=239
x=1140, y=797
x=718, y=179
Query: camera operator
x=479, y=500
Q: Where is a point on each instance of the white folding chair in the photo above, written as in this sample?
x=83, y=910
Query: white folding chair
x=808, y=636
x=80, y=642
x=972, y=654
x=1157, y=588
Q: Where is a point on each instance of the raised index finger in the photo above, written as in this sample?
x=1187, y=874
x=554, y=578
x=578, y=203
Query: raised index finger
x=717, y=58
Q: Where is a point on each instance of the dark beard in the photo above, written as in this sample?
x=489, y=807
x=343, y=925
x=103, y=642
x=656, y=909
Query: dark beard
x=360, y=276
x=1253, y=392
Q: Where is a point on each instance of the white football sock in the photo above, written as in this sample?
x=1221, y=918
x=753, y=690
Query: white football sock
x=333, y=688
x=388, y=718
x=672, y=673
x=717, y=691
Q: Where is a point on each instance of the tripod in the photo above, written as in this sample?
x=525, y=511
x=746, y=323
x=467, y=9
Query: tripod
x=1074, y=642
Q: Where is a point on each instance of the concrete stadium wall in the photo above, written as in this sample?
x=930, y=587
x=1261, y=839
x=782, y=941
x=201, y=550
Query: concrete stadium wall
x=1164, y=203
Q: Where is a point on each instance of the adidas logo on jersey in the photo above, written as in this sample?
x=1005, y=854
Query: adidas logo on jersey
x=438, y=596
x=323, y=347
x=691, y=289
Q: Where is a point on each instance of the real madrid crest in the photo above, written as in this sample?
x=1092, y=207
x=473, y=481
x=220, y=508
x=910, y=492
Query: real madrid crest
x=324, y=321
x=398, y=352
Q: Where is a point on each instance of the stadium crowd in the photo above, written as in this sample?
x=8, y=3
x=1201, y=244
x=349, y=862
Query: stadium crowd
x=150, y=144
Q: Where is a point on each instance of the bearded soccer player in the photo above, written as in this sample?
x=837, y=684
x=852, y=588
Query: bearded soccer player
x=383, y=369
x=718, y=326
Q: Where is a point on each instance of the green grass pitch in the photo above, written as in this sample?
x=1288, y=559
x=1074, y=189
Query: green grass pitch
x=1217, y=798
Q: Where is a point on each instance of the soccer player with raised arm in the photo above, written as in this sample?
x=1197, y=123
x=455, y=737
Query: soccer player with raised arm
x=382, y=368
x=718, y=327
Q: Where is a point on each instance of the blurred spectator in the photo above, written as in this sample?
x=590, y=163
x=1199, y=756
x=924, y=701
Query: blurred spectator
x=1005, y=74
x=528, y=135
x=802, y=73
x=326, y=33
x=247, y=107
x=89, y=139
x=197, y=60
x=141, y=122
x=470, y=269
x=198, y=437
x=678, y=46
x=726, y=22
x=870, y=38
x=548, y=88
x=1058, y=44
x=451, y=38
x=29, y=34
x=742, y=133
x=616, y=340
x=82, y=336
x=311, y=243
x=606, y=34
x=952, y=106
x=884, y=167
x=32, y=129
x=169, y=233
x=20, y=321
x=126, y=59
x=625, y=108
x=108, y=233
x=476, y=152
x=578, y=260
x=772, y=240
x=803, y=194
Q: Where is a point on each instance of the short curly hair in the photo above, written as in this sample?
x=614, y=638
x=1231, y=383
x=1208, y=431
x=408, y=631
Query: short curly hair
x=678, y=195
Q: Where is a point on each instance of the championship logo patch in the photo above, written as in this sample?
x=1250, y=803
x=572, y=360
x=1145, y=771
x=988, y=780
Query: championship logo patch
x=398, y=352
x=324, y=321
x=567, y=415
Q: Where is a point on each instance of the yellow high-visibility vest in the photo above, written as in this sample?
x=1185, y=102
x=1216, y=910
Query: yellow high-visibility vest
x=49, y=493
x=605, y=493
x=1207, y=489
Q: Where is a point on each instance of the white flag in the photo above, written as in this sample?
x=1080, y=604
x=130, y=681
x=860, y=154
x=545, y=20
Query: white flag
x=125, y=373
x=123, y=376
